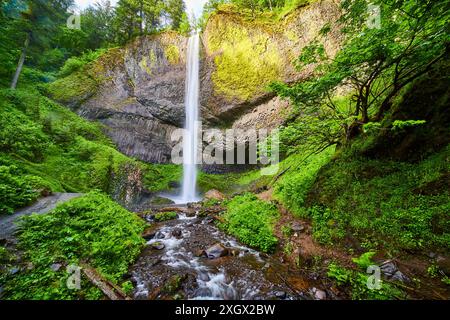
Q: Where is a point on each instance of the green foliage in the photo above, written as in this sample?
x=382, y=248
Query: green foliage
x=365, y=260
x=45, y=147
x=165, y=216
x=357, y=281
x=92, y=228
x=375, y=62
x=77, y=63
x=160, y=177
x=286, y=231
x=15, y=190
x=399, y=125
x=393, y=204
x=251, y=221
x=292, y=188
x=371, y=127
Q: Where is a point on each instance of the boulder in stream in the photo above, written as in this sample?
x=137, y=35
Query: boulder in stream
x=157, y=245
x=216, y=251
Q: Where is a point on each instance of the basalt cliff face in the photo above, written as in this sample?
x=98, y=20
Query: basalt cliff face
x=138, y=91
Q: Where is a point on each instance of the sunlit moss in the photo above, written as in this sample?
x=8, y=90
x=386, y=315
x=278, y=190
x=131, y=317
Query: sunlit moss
x=172, y=54
x=246, y=61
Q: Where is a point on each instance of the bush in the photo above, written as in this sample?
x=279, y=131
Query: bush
x=165, y=216
x=15, y=190
x=92, y=228
x=76, y=63
x=251, y=221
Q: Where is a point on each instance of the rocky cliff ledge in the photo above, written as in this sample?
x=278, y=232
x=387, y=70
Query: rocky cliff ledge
x=138, y=91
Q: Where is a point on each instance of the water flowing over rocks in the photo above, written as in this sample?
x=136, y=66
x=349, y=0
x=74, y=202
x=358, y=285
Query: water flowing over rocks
x=200, y=262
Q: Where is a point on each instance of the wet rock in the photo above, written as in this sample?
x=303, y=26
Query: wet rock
x=177, y=233
x=200, y=253
x=173, y=284
x=216, y=251
x=235, y=252
x=204, y=276
x=390, y=270
x=214, y=195
x=444, y=264
x=297, y=227
x=319, y=294
x=157, y=245
x=161, y=201
x=280, y=294
x=56, y=267
x=148, y=234
x=209, y=220
x=399, y=276
x=263, y=255
x=431, y=255
x=159, y=235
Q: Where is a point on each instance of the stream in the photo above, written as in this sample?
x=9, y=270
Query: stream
x=242, y=274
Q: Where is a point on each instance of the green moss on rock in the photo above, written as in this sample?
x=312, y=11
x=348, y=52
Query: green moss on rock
x=246, y=61
x=172, y=54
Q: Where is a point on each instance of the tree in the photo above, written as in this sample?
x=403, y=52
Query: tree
x=377, y=63
x=35, y=22
x=175, y=9
x=136, y=17
x=97, y=25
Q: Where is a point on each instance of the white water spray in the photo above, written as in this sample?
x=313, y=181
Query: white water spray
x=190, y=139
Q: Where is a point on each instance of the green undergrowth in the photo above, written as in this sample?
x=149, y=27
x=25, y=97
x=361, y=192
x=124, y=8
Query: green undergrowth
x=300, y=173
x=251, y=221
x=92, y=228
x=165, y=216
x=45, y=148
x=382, y=203
x=363, y=285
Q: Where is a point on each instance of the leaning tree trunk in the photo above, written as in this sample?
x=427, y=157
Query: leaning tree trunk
x=21, y=62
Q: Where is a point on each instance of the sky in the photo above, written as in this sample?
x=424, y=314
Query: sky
x=194, y=6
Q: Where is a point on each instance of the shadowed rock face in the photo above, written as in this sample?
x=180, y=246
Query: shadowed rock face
x=138, y=95
x=138, y=91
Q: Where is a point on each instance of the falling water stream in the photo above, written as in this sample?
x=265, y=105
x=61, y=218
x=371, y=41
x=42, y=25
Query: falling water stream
x=190, y=140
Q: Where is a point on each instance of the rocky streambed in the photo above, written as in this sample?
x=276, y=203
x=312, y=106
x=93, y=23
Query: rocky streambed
x=190, y=258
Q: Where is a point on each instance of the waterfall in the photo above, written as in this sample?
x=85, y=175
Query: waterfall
x=190, y=139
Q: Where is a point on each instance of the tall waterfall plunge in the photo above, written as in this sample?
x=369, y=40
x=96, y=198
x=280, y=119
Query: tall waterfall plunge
x=190, y=139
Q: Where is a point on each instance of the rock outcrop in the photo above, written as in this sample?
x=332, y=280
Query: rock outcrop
x=138, y=91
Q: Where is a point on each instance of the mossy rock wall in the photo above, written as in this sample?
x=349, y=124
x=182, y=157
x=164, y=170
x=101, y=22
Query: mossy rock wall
x=137, y=91
x=244, y=55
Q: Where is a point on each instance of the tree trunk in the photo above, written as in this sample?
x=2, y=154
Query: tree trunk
x=21, y=62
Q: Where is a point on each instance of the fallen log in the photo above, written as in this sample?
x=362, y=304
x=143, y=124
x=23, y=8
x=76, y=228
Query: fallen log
x=111, y=290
